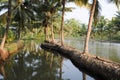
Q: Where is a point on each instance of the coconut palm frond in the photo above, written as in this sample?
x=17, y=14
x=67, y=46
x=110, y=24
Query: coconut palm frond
x=117, y=2
x=69, y=9
x=81, y=2
x=97, y=12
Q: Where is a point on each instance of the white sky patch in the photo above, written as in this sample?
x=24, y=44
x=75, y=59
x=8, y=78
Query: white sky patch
x=78, y=13
x=3, y=11
x=108, y=9
x=82, y=14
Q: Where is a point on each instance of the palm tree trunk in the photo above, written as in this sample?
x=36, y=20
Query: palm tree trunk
x=62, y=22
x=52, y=33
x=94, y=66
x=8, y=24
x=3, y=52
x=89, y=27
x=19, y=31
x=46, y=31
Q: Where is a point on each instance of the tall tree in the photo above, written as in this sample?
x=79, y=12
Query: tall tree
x=46, y=13
x=8, y=24
x=100, y=26
x=2, y=51
x=62, y=22
x=89, y=26
x=92, y=15
x=22, y=12
x=54, y=6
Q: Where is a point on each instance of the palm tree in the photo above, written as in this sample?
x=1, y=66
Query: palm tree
x=22, y=13
x=62, y=22
x=53, y=9
x=100, y=26
x=79, y=3
x=89, y=26
x=2, y=51
x=117, y=21
x=94, y=8
x=46, y=13
x=8, y=24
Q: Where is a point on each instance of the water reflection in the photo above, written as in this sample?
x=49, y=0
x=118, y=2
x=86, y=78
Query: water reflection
x=61, y=63
x=84, y=76
x=103, y=49
x=32, y=67
x=33, y=63
x=2, y=71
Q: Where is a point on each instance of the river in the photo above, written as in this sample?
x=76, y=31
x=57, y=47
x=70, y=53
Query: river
x=33, y=63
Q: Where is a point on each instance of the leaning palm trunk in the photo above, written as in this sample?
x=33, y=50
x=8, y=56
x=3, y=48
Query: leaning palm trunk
x=3, y=52
x=95, y=66
x=62, y=22
x=89, y=27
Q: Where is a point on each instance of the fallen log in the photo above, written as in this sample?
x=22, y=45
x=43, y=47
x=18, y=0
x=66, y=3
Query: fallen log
x=98, y=68
x=10, y=49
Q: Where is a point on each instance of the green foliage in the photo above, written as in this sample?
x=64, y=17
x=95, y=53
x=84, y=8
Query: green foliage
x=2, y=29
x=107, y=29
x=29, y=15
x=74, y=28
x=11, y=36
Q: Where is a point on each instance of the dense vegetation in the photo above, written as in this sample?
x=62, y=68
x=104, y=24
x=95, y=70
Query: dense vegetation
x=26, y=19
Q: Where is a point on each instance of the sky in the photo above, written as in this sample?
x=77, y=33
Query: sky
x=107, y=9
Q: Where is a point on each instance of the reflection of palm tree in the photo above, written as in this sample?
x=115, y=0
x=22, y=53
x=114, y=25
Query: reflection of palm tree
x=33, y=67
x=2, y=70
x=61, y=64
x=84, y=76
x=51, y=60
x=32, y=46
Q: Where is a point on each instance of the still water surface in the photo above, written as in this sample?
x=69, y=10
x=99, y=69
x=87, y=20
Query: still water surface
x=33, y=63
